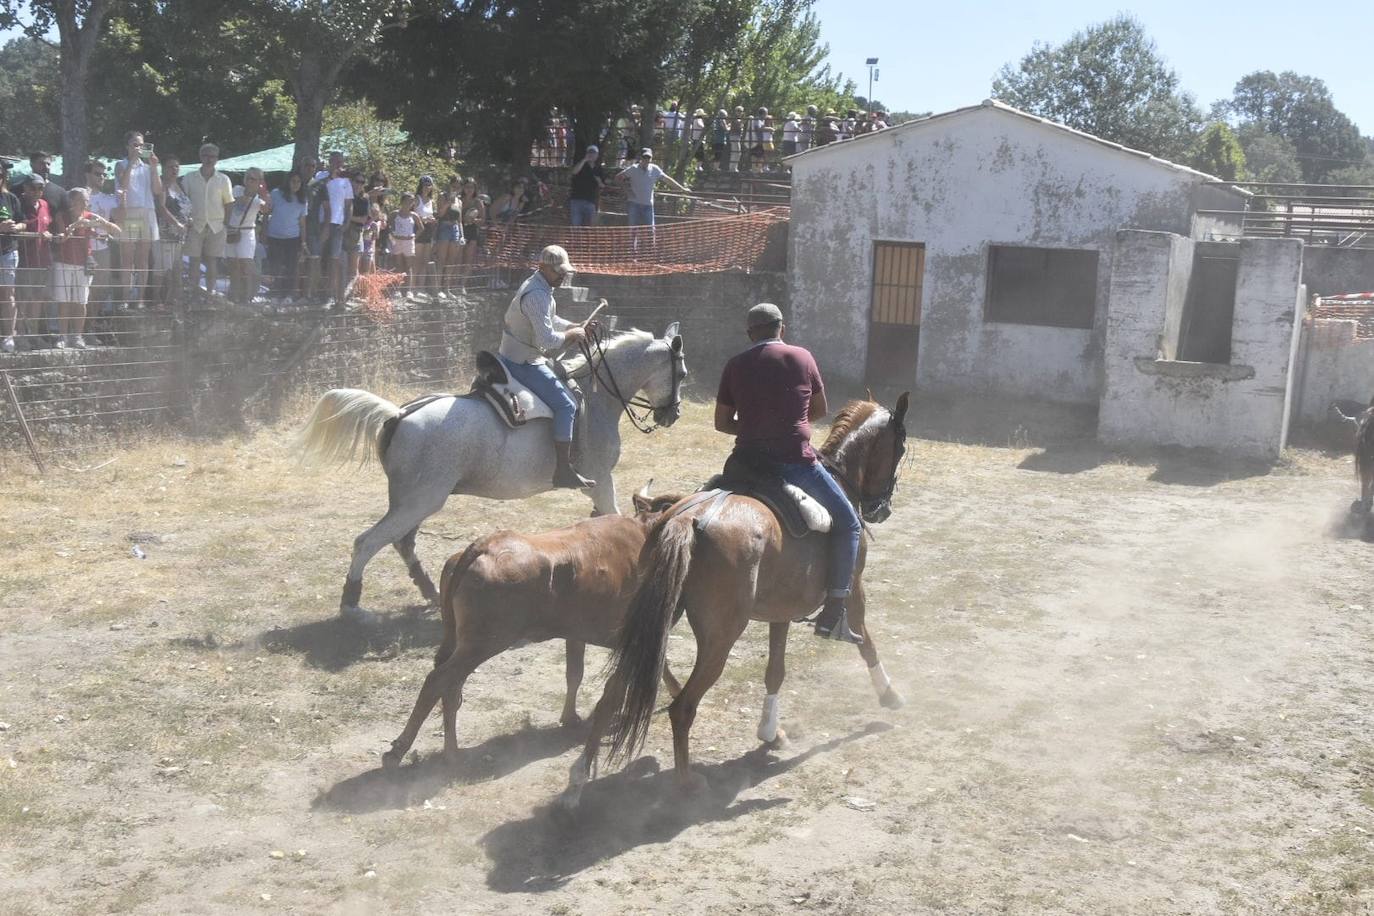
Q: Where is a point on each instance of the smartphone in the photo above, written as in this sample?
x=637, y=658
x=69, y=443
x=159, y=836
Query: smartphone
x=146, y=150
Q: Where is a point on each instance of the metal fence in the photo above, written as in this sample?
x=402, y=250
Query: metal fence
x=1337, y=216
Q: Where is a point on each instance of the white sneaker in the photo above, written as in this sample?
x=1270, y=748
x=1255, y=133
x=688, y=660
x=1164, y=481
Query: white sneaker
x=80, y=343
x=61, y=343
x=8, y=345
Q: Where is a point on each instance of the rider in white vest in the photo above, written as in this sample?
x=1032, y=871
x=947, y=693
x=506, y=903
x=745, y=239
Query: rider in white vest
x=532, y=331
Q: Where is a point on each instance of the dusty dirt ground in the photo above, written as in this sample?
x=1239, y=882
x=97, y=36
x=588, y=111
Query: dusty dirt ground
x=1135, y=685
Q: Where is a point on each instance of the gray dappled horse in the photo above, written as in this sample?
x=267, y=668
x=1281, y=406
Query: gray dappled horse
x=459, y=445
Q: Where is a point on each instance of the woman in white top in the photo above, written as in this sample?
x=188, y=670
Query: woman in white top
x=241, y=237
x=138, y=187
x=405, y=225
x=420, y=275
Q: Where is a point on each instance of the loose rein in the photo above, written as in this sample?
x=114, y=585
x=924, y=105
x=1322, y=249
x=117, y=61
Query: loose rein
x=594, y=342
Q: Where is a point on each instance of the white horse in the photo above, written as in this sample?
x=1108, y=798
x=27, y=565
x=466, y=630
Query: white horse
x=459, y=445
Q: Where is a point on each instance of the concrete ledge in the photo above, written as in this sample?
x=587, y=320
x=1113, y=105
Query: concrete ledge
x=1177, y=368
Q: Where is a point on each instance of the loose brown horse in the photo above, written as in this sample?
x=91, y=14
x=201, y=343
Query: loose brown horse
x=739, y=567
x=573, y=583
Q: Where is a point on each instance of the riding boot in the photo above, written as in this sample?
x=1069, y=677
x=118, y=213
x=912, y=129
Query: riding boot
x=833, y=622
x=565, y=475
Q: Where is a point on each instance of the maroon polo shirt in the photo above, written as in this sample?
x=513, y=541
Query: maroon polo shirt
x=769, y=387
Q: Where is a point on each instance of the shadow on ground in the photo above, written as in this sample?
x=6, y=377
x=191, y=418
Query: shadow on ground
x=336, y=642
x=1191, y=467
x=1350, y=525
x=627, y=809
x=412, y=783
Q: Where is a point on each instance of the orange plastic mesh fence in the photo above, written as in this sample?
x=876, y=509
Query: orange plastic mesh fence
x=373, y=290
x=731, y=242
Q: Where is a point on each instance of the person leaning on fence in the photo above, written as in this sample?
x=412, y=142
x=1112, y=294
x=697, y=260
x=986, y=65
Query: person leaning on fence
x=405, y=225
x=173, y=213
x=642, y=178
x=35, y=255
x=40, y=163
x=10, y=215
x=103, y=203
x=720, y=139
x=424, y=211
x=474, y=206
x=807, y=135
x=285, y=229
x=139, y=186
x=211, y=195
x=588, y=178
x=530, y=332
x=71, y=284
x=241, y=236
x=791, y=133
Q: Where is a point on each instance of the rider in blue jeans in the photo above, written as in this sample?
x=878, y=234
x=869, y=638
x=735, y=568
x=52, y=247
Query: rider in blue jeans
x=532, y=330
x=768, y=396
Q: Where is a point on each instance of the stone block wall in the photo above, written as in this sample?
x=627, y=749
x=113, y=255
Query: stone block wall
x=1238, y=407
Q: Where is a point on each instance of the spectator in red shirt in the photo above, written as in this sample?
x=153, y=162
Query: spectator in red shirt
x=31, y=284
x=71, y=284
x=768, y=396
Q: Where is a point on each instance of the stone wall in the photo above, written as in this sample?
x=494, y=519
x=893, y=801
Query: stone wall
x=1239, y=407
x=1332, y=271
x=1334, y=366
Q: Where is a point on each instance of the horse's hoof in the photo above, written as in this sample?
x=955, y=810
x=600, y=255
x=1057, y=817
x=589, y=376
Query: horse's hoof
x=571, y=720
x=891, y=699
x=391, y=760
x=568, y=801
x=355, y=614
x=693, y=783
x=779, y=741
x=1357, y=507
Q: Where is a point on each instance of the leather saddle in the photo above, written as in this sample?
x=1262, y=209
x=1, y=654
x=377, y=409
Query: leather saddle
x=755, y=477
x=513, y=402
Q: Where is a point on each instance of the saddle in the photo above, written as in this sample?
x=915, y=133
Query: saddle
x=754, y=476
x=513, y=402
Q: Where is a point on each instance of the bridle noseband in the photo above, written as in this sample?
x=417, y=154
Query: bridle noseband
x=593, y=342
x=870, y=504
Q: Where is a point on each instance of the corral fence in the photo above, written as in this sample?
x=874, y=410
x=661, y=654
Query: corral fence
x=199, y=368
x=1335, y=216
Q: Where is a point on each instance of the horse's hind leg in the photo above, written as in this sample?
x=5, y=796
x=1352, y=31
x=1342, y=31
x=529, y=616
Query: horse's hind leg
x=444, y=682
x=406, y=548
x=714, y=639
x=769, y=732
x=887, y=694
x=577, y=657
x=391, y=528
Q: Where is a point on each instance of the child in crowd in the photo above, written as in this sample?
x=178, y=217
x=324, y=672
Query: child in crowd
x=375, y=224
x=71, y=284
x=405, y=225
x=241, y=236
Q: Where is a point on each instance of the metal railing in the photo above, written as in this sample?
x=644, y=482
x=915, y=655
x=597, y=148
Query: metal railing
x=1340, y=216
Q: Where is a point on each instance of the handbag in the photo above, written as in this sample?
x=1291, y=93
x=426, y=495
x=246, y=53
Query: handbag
x=235, y=235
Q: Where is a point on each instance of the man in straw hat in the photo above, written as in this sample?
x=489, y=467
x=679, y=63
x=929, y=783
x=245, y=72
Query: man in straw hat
x=768, y=397
x=532, y=330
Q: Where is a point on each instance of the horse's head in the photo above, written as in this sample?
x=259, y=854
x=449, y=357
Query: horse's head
x=649, y=508
x=664, y=387
x=865, y=446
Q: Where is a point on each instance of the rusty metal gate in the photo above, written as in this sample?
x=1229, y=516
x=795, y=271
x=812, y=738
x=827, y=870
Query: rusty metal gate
x=894, y=315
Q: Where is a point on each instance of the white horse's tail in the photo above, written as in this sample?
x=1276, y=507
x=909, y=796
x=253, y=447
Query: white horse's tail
x=344, y=421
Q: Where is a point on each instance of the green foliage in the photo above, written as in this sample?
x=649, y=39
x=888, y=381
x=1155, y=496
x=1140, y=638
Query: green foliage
x=1218, y=152
x=372, y=144
x=1107, y=80
x=1268, y=157
x=1300, y=110
x=29, y=104
x=184, y=77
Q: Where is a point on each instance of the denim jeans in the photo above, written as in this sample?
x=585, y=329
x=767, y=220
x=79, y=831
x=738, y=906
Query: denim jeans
x=640, y=214
x=845, y=530
x=539, y=378
x=583, y=212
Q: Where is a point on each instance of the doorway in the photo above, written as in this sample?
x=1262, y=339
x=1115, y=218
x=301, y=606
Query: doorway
x=894, y=314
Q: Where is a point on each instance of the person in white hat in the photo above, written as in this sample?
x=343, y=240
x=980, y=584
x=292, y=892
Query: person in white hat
x=532, y=330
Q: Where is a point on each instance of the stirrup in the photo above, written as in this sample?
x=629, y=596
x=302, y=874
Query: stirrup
x=573, y=480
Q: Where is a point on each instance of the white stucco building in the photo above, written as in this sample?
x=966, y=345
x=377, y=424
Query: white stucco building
x=972, y=250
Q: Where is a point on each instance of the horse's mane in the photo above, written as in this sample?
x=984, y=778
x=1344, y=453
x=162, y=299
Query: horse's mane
x=854, y=415
x=611, y=343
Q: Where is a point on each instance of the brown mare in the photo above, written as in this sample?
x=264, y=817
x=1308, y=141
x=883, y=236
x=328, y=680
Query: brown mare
x=573, y=584
x=741, y=567
x=1364, y=459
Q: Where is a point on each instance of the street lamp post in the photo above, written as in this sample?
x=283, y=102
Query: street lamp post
x=872, y=64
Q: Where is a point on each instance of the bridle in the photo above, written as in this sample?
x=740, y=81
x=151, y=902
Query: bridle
x=593, y=343
x=871, y=504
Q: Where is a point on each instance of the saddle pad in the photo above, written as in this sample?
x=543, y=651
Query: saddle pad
x=798, y=513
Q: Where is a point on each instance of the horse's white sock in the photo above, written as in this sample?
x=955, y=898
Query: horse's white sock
x=881, y=682
x=768, y=723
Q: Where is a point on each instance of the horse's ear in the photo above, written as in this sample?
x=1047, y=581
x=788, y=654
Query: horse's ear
x=672, y=331
x=902, y=403
x=642, y=504
x=676, y=345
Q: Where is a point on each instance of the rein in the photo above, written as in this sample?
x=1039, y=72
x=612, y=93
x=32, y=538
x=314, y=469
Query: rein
x=867, y=504
x=593, y=342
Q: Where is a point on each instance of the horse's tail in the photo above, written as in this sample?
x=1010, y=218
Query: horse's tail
x=344, y=421
x=637, y=663
x=454, y=569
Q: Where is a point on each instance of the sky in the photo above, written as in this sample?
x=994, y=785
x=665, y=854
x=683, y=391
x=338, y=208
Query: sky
x=934, y=57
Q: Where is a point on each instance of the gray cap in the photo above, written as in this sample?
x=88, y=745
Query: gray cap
x=764, y=313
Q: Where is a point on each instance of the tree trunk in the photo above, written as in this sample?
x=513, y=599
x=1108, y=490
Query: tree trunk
x=74, y=126
x=311, y=91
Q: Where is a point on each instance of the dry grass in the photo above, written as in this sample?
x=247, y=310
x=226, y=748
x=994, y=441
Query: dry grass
x=1083, y=636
